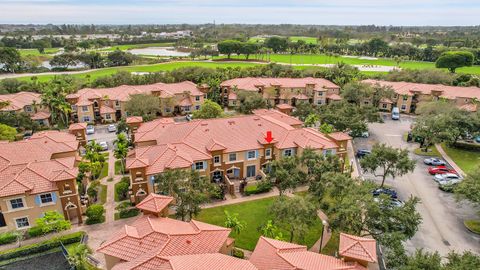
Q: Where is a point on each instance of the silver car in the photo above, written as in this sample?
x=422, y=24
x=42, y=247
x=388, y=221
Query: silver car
x=445, y=177
x=104, y=145
x=434, y=162
x=90, y=130
x=111, y=128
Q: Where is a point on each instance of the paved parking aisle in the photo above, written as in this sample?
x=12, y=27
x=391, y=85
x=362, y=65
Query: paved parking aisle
x=442, y=228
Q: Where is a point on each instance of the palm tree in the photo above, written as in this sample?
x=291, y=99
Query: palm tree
x=121, y=150
x=234, y=223
x=78, y=256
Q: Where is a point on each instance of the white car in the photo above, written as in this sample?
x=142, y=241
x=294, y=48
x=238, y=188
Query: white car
x=111, y=128
x=449, y=181
x=445, y=177
x=104, y=145
x=434, y=162
x=90, y=130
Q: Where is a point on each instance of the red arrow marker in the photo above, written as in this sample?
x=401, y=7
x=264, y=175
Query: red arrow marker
x=269, y=137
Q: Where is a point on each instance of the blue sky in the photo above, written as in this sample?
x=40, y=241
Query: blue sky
x=344, y=12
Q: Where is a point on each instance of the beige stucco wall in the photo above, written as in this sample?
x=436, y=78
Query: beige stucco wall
x=88, y=113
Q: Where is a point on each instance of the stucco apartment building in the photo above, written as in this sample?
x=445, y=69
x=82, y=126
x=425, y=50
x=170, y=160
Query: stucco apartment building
x=154, y=241
x=27, y=102
x=224, y=149
x=275, y=91
x=38, y=175
x=105, y=105
x=409, y=95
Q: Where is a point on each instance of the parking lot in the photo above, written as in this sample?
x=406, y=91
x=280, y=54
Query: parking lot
x=102, y=135
x=442, y=228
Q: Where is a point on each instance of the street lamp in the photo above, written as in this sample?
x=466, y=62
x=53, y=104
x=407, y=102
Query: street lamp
x=325, y=224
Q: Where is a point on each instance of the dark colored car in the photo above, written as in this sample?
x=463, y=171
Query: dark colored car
x=440, y=170
x=363, y=152
x=387, y=191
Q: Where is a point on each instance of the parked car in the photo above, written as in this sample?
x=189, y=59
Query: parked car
x=104, y=145
x=27, y=134
x=388, y=191
x=363, y=152
x=90, y=130
x=453, y=181
x=440, y=170
x=363, y=134
x=477, y=139
x=445, y=177
x=112, y=128
x=395, y=113
x=434, y=162
x=448, y=187
x=189, y=117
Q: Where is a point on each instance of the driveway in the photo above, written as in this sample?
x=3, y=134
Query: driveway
x=442, y=228
x=102, y=134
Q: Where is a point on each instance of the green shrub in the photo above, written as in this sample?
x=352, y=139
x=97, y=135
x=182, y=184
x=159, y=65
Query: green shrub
x=467, y=146
x=216, y=192
x=8, y=237
x=35, y=232
x=126, y=213
x=121, y=189
x=447, y=187
x=42, y=246
x=238, y=253
x=95, y=214
x=260, y=187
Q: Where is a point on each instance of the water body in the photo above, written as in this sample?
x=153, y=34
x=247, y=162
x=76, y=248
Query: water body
x=158, y=51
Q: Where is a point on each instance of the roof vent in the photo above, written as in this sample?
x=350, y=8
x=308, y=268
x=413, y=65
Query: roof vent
x=231, y=122
x=256, y=118
x=204, y=124
x=206, y=130
x=188, y=242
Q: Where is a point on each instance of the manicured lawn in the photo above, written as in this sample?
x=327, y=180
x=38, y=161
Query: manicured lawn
x=104, y=171
x=102, y=194
x=431, y=152
x=137, y=46
x=35, y=52
x=255, y=214
x=91, y=75
x=309, y=40
x=465, y=159
x=118, y=167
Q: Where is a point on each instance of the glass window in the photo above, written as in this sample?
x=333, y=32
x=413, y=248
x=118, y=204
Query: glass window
x=232, y=157
x=405, y=97
x=197, y=107
x=384, y=105
x=28, y=109
x=22, y=222
x=187, y=108
x=288, y=152
x=167, y=109
x=268, y=152
x=108, y=116
x=319, y=102
x=251, y=171
x=86, y=119
x=46, y=198
x=216, y=159
x=117, y=103
x=85, y=108
x=320, y=93
x=404, y=107
x=199, y=165
x=251, y=155
x=16, y=203
x=197, y=98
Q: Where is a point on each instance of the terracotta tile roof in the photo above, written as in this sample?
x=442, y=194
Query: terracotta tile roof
x=105, y=109
x=179, y=145
x=210, y=261
x=150, y=236
x=339, y=136
x=185, y=102
x=154, y=203
x=277, y=115
x=232, y=96
x=334, y=96
x=301, y=96
x=284, y=106
x=274, y=254
x=386, y=100
x=123, y=92
x=449, y=92
x=252, y=84
x=360, y=248
x=41, y=115
x=134, y=119
x=19, y=100
x=469, y=107
x=77, y=126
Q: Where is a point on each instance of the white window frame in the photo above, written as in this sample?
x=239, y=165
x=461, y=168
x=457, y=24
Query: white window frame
x=28, y=109
x=23, y=227
x=186, y=108
x=320, y=93
x=254, y=155
x=46, y=203
x=86, y=117
x=197, y=98
x=290, y=151
x=108, y=116
x=24, y=205
x=215, y=159
x=117, y=103
x=230, y=157
x=268, y=153
x=199, y=168
x=84, y=108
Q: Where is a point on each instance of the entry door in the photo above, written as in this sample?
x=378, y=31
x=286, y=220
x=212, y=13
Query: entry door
x=251, y=172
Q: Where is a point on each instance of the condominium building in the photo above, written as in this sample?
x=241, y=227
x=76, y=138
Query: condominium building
x=154, y=241
x=409, y=95
x=225, y=149
x=291, y=91
x=38, y=175
x=27, y=102
x=104, y=105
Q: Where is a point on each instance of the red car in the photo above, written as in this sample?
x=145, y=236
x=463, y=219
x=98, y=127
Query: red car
x=440, y=170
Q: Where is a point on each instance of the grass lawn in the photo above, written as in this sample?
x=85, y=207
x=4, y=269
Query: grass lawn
x=431, y=152
x=255, y=214
x=137, y=46
x=308, y=40
x=465, y=159
x=102, y=194
x=473, y=225
x=104, y=171
x=91, y=75
x=118, y=167
x=35, y=52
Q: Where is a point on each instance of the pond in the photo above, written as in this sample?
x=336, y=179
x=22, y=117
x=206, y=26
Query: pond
x=158, y=51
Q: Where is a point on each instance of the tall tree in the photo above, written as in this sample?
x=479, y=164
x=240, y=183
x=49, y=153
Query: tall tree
x=232, y=222
x=78, y=257
x=390, y=161
x=455, y=59
x=286, y=174
x=143, y=105
x=7, y=133
x=295, y=215
x=121, y=149
x=10, y=59
x=209, y=109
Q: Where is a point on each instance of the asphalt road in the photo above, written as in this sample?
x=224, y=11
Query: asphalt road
x=102, y=134
x=442, y=228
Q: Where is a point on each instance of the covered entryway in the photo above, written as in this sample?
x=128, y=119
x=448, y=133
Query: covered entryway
x=72, y=212
x=233, y=173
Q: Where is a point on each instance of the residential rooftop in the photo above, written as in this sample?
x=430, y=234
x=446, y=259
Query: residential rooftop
x=252, y=83
x=18, y=101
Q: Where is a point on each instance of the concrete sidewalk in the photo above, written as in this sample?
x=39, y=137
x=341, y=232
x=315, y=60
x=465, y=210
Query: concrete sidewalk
x=449, y=160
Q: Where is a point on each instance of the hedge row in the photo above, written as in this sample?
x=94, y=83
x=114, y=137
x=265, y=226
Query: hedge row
x=42, y=246
x=7, y=238
x=467, y=146
x=261, y=187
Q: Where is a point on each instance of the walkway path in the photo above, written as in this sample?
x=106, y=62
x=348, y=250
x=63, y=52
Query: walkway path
x=449, y=160
x=110, y=203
